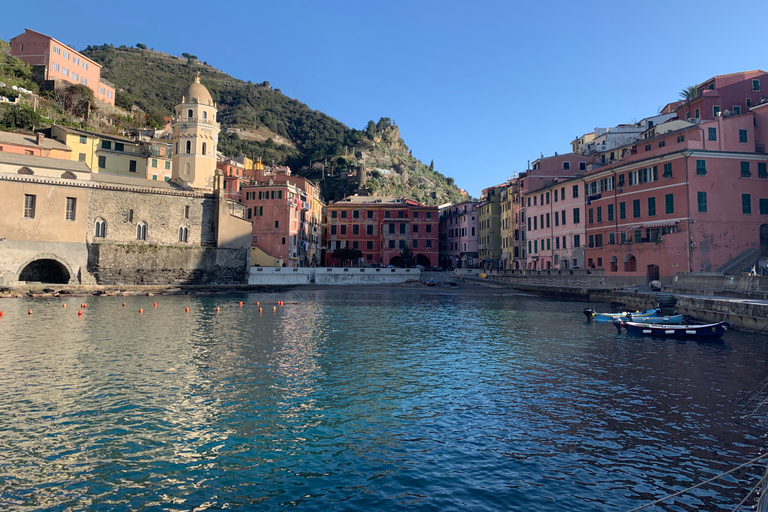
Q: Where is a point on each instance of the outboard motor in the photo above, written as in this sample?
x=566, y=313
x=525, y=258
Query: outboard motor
x=590, y=313
x=618, y=323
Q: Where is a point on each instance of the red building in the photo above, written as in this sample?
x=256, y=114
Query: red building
x=381, y=228
x=735, y=92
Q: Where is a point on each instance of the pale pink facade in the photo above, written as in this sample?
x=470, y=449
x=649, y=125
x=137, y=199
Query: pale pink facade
x=555, y=226
x=735, y=93
x=459, y=235
x=694, y=199
x=61, y=63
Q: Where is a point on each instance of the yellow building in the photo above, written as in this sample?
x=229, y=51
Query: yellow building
x=195, y=136
x=105, y=154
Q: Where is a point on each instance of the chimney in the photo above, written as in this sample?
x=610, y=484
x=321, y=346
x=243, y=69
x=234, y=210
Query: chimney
x=40, y=137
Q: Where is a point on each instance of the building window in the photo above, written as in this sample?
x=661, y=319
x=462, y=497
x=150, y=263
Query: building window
x=369, y=214
x=755, y=85
x=190, y=114
x=333, y=213
x=562, y=220
x=355, y=214
x=763, y=206
x=132, y=166
x=701, y=199
x=154, y=162
x=65, y=71
x=106, y=144
x=369, y=229
x=681, y=138
x=70, y=211
x=168, y=165
x=667, y=170
x=55, y=66
x=57, y=50
x=183, y=234
x=369, y=245
x=29, y=206
x=576, y=216
x=701, y=167
x=712, y=133
x=746, y=204
x=662, y=143
x=75, y=76
x=651, y=206
x=715, y=110
x=743, y=136
x=141, y=231
x=189, y=147
x=749, y=102
x=355, y=229
x=205, y=147
x=102, y=162
x=566, y=166
x=745, y=172
x=83, y=139
x=66, y=55
x=590, y=216
x=84, y=65
x=101, y=228
x=576, y=241
x=401, y=244
x=277, y=224
x=575, y=192
x=761, y=172
x=736, y=110
x=610, y=213
x=429, y=242
x=696, y=114
x=622, y=210
x=81, y=157
x=333, y=229
x=647, y=147
x=669, y=200
x=636, y=208
x=344, y=214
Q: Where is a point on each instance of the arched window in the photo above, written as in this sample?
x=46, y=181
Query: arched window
x=177, y=147
x=141, y=231
x=101, y=228
x=204, y=147
x=205, y=114
x=190, y=113
x=189, y=146
x=183, y=234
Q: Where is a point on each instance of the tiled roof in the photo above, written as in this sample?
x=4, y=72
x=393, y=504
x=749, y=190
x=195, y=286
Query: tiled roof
x=21, y=139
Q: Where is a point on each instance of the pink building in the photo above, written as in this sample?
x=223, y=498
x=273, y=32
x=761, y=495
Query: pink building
x=692, y=199
x=555, y=226
x=62, y=63
x=735, y=92
x=35, y=145
x=459, y=235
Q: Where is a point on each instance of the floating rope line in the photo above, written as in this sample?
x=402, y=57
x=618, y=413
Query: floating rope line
x=665, y=498
x=754, y=489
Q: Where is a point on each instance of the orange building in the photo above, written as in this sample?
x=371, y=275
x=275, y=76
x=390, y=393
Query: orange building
x=35, y=145
x=61, y=63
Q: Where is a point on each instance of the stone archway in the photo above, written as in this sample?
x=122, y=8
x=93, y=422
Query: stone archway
x=630, y=263
x=47, y=268
x=397, y=261
x=423, y=261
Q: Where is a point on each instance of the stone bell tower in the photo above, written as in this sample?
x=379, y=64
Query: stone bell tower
x=195, y=136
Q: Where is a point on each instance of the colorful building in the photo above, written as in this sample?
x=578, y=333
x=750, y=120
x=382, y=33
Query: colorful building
x=459, y=235
x=489, y=227
x=383, y=229
x=734, y=93
x=61, y=63
x=692, y=199
x=34, y=145
x=286, y=212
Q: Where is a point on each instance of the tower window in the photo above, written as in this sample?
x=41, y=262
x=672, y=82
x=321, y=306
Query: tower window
x=189, y=113
x=204, y=147
x=205, y=114
x=189, y=146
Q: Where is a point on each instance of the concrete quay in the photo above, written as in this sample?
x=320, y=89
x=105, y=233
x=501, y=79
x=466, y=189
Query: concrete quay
x=740, y=300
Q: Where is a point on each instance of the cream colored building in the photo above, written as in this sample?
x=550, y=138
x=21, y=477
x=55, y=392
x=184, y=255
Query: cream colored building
x=195, y=136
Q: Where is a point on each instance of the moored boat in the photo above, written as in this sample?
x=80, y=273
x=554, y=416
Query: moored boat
x=668, y=320
x=591, y=314
x=715, y=330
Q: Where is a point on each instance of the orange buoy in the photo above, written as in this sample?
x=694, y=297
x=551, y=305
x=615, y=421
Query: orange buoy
x=29, y=312
x=186, y=309
x=80, y=313
x=2, y=313
x=141, y=310
x=274, y=308
x=85, y=305
x=241, y=303
x=259, y=310
x=123, y=304
x=63, y=305
x=218, y=308
x=257, y=303
x=155, y=304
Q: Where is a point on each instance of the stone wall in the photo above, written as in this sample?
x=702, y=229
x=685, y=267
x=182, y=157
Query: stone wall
x=330, y=275
x=164, y=214
x=128, y=264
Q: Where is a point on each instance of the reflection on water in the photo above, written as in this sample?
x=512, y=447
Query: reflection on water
x=389, y=399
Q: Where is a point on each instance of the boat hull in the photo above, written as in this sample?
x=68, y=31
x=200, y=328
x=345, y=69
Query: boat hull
x=677, y=331
x=610, y=317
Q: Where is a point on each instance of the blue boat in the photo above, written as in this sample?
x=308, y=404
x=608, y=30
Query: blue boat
x=715, y=330
x=668, y=320
x=610, y=317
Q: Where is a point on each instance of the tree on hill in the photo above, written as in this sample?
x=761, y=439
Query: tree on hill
x=141, y=46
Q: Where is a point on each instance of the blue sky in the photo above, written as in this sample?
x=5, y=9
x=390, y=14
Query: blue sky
x=479, y=87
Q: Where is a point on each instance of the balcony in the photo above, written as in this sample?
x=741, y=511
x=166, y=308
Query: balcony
x=198, y=120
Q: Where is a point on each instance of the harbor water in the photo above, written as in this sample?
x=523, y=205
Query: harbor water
x=349, y=399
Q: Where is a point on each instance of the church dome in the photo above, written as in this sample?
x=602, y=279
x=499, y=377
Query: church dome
x=197, y=93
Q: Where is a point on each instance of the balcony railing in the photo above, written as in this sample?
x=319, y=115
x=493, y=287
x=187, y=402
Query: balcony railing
x=198, y=120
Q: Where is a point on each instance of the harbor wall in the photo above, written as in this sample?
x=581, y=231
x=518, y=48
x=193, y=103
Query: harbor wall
x=260, y=276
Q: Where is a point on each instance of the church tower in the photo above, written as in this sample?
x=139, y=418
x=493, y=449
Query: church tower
x=195, y=136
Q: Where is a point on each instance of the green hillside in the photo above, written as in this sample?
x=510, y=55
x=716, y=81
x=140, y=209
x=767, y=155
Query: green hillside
x=260, y=121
